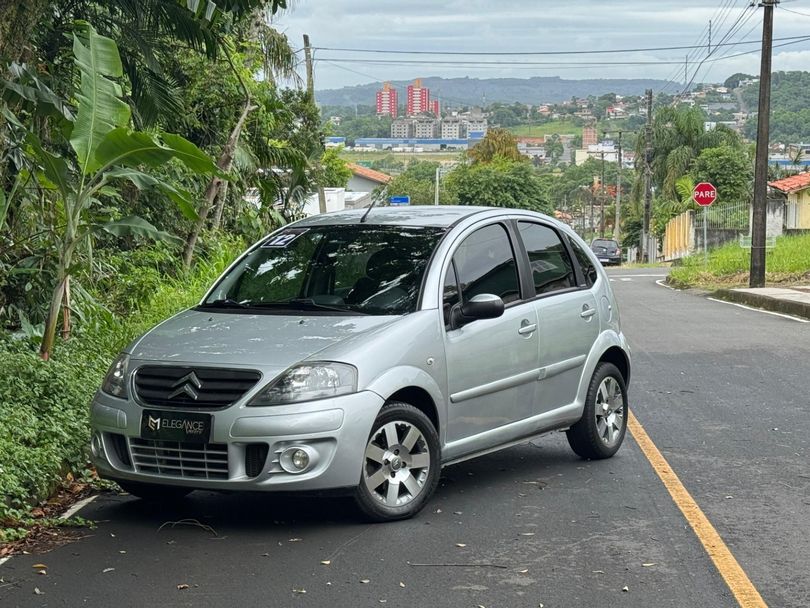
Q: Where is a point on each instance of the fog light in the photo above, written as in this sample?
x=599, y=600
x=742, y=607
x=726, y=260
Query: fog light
x=298, y=459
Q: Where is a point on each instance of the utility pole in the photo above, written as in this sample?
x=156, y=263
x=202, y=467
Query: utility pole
x=311, y=96
x=436, y=192
x=645, y=233
x=617, y=230
x=759, y=213
x=710, y=36
x=602, y=196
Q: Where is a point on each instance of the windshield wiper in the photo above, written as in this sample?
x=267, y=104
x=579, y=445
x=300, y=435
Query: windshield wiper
x=306, y=304
x=224, y=303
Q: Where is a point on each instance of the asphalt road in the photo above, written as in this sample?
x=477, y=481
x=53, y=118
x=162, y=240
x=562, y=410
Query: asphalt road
x=722, y=391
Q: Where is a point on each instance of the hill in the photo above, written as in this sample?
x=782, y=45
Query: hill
x=482, y=91
x=790, y=107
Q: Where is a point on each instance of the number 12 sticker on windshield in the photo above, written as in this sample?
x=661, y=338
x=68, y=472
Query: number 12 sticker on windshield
x=284, y=238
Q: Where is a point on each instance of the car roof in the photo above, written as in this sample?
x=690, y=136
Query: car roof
x=442, y=216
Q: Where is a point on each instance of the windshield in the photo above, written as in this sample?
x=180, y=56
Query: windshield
x=605, y=243
x=354, y=269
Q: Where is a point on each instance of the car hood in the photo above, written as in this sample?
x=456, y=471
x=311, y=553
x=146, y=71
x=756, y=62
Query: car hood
x=268, y=341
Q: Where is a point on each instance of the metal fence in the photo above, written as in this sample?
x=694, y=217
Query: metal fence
x=734, y=216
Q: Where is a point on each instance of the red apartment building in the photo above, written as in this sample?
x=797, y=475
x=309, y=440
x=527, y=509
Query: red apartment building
x=387, y=101
x=418, y=99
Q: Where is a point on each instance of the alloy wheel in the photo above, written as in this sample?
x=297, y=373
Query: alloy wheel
x=397, y=463
x=609, y=411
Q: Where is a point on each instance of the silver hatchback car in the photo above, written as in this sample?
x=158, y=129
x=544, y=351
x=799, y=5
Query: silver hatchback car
x=363, y=351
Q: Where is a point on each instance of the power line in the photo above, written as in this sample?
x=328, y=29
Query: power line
x=525, y=53
x=485, y=63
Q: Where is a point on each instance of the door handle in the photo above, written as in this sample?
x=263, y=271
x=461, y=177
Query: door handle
x=527, y=328
x=587, y=312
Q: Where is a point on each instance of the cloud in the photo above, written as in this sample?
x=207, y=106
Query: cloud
x=532, y=25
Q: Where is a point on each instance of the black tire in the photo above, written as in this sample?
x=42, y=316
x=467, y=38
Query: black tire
x=586, y=437
x=369, y=501
x=153, y=492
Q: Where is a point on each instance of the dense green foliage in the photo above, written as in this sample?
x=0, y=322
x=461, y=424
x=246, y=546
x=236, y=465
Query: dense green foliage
x=44, y=429
x=790, y=107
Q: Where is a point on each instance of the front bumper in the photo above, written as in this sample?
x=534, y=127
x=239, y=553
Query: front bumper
x=244, y=448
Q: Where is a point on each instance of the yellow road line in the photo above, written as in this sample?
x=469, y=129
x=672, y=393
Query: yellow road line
x=738, y=582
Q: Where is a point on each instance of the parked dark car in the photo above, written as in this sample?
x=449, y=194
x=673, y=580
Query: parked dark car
x=607, y=251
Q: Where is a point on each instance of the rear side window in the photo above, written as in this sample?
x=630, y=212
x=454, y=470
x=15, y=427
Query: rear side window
x=485, y=263
x=588, y=269
x=551, y=266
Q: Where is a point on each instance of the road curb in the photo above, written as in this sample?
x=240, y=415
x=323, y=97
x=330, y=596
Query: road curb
x=788, y=307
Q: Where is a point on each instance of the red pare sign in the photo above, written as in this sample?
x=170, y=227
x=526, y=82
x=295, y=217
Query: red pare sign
x=704, y=194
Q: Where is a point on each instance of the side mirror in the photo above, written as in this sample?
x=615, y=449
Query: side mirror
x=482, y=306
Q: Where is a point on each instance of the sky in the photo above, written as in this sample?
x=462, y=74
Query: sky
x=486, y=26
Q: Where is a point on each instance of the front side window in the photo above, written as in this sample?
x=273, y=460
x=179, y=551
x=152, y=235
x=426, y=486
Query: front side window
x=588, y=268
x=356, y=269
x=551, y=266
x=485, y=263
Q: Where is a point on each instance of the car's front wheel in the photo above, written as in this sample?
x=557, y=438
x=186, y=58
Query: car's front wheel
x=401, y=464
x=600, y=431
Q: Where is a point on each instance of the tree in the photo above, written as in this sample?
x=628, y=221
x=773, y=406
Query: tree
x=104, y=153
x=729, y=169
x=418, y=181
x=335, y=170
x=503, y=183
x=497, y=143
x=733, y=81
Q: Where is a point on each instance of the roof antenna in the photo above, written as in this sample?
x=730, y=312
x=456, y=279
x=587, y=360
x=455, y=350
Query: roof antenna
x=370, y=207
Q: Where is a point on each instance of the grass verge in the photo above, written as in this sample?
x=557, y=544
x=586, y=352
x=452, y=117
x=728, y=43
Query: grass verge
x=728, y=266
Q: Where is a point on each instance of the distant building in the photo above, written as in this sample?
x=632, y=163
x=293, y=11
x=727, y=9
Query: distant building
x=387, y=102
x=364, y=179
x=426, y=128
x=402, y=128
x=435, y=107
x=454, y=128
x=476, y=127
x=334, y=142
x=589, y=136
x=418, y=101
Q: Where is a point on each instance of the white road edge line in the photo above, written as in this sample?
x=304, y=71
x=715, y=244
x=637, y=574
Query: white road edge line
x=78, y=507
x=66, y=515
x=767, y=312
x=633, y=276
x=662, y=283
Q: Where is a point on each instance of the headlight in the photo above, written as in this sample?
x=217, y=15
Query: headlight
x=308, y=382
x=115, y=382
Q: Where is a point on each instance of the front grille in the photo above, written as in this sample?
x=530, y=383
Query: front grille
x=176, y=459
x=192, y=386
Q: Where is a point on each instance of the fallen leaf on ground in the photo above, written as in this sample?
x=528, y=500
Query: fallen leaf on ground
x=598, y=571
x=294, y=540
x=38, y=592
x=122, y=552
x=527, y=533
x=625, y=588
x=401, y=584
x=648, y=564
x=365, y=581
x=182, y=586
x=457, y=512
x=42, y=572
x=299, y=590
x=106, y=570
x=39, y=566
x=461, y=545
x=326, y=562
x=524, y=571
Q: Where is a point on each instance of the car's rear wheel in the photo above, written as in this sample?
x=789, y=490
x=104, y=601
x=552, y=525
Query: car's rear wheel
x=600, y=432
x=401, y=464
x=154, y=492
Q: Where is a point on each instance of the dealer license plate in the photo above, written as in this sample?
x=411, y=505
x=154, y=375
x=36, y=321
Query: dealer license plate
x=175, y=426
